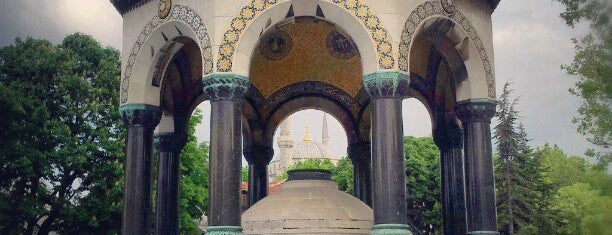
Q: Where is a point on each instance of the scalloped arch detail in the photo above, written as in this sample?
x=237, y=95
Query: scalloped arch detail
x=179, y=13
x=434, y=8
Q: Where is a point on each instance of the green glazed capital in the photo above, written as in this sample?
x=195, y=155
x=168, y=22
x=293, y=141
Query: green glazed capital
x=391, y=229
x=386, y=84
x=225, y=86
x=140, y=115
x=224, y=230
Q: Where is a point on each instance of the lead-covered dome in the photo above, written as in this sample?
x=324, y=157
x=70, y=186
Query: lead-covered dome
x=308, y=203
x=312, y=150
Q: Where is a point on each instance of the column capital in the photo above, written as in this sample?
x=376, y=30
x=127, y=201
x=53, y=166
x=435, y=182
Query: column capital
x=140, y=115
x=391, y=229
x=225, y=86
x=476, y=110
x=358, y=150
x=448, y=136
x=170, y=141
x=254, y=152
x=224, y=230
x=386, y=84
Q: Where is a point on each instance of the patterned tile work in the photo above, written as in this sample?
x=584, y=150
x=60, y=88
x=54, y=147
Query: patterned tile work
x=180, y=13
x=377, y=31
x=250, y=11
x=434, y=8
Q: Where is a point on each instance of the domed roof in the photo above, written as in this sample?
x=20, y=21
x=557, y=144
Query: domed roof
x=308, y=203
x=312, y=150
x=309, y=149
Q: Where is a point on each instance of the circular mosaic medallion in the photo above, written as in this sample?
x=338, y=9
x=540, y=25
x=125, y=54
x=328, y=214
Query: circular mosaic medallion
x=448, y=6
x=276, y=45
x=340, y=46
x=164, y=8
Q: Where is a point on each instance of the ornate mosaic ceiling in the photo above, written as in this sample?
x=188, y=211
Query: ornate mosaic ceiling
x=307, y=50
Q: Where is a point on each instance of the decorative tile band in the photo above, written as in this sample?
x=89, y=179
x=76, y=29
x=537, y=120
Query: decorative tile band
x=179, y=13
x=434, y=8
x=365, y=15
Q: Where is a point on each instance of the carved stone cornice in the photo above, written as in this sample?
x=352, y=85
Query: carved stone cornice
x=140, y=115
x=170, y=141
x=225, y=86
x=386, y=84
x=476, y=110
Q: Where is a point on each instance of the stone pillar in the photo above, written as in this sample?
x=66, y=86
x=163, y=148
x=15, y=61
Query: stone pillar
x=140, y=121
x=387, y=90
x=449, y=139
x=169, y=145
x=476, y=117
x=360, y=154
x=226, y=93
x=258, y=157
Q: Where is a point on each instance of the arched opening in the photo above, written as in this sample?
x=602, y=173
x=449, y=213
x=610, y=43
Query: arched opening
x=307, y=135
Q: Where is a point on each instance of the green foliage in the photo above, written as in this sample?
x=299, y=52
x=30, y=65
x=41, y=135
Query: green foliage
x=593, y=66
x=245, y=174
x=193, y=198
x=61, y=138
x=517, y=180
x=423, y=184
x=342, y=174
x=583, y=210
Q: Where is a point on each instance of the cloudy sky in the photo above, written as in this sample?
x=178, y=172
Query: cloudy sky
x=530, y=43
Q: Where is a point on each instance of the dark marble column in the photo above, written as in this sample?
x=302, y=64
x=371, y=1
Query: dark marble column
x=140, y=121
x=258, y=157
x=225, y=91
x=169, y=145
x=387, y=90
x=360, y=154
x=476, y=117
x=449, y=139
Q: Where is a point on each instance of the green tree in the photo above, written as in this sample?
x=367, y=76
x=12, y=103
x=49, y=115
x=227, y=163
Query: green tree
x=61, y=138
x=583, y=210
x=193, y=198
x=593, y=66
x=423, y=184
x=342, y=174
x=517, y=177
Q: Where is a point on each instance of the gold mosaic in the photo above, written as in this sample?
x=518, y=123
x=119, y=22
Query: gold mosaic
x=365, y=15
x=308, y=60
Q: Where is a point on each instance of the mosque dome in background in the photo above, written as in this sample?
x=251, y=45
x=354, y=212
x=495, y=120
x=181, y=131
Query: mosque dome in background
x=309, y=149
x=292, y=151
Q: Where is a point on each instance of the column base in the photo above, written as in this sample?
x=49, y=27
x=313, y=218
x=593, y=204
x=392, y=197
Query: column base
x=391, y=229
x=483, y=233
x=224, y=230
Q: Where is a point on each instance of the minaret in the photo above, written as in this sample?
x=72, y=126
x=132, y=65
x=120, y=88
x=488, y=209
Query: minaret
x=285, y=143
x=307, y=137
x=325, y=137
